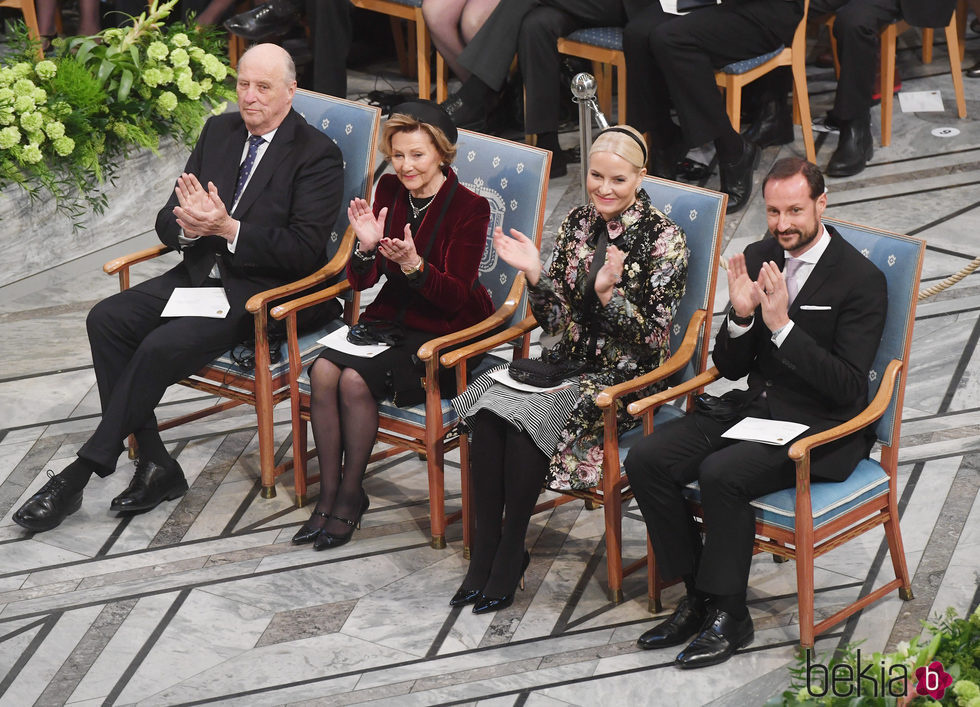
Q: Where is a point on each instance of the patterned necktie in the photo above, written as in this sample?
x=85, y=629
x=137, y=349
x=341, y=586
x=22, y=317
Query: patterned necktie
x=246, y=169
x=789, y=274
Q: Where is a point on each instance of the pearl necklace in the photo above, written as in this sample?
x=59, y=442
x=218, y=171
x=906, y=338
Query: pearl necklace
x=416, y=210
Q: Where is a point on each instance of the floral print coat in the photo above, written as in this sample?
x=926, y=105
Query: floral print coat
x=630, y=334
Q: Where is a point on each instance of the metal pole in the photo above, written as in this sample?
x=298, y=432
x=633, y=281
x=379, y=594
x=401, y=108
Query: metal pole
x=583, y=93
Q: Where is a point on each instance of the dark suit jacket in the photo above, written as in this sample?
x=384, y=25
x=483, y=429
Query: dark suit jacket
x=286, y=212
x=448, y=296
x=819, y=376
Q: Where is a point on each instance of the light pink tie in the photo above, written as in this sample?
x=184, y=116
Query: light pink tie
x=789, y=274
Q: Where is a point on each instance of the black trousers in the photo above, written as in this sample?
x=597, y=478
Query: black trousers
x=531, y=29
x=671, y=60
x=137, y=354
x=856, y=31
x=731, y=474
x=330, y=25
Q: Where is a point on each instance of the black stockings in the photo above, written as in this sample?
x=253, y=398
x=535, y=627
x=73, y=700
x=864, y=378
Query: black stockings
x=507, y=474
x=344, y=417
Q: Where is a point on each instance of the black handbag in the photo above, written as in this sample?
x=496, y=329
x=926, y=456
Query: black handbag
x=544, y=374
x=376, y=332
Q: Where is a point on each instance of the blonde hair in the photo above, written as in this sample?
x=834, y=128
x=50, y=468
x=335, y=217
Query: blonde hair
x=624, y=141
x=402, y=123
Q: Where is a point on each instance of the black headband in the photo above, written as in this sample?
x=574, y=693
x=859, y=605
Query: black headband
x=624, y=131
x=431, y=113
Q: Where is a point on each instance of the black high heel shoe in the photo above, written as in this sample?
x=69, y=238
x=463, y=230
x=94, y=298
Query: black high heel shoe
x=485, y=604
x=306, y=534
x=325, y=539
x=464, y=596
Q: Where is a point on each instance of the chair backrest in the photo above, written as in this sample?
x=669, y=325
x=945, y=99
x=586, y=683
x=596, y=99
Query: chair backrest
x=701, y=214
x=354, y=129
x=900, y=259
x=513, y=177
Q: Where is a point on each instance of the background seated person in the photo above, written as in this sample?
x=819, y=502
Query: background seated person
x=671, y=61
x=452, y=24
x=426, y=234
x=618, y=272
x=530, y=28
x=806, y=318
x=856, y=29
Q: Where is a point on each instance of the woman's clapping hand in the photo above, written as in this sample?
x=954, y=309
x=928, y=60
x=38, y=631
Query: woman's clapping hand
x=518, y=251
x=368, y=228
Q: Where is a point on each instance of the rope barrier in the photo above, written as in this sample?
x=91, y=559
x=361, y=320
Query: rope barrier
x=949, y=281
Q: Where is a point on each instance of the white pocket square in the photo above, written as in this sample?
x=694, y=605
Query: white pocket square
x=816, y=307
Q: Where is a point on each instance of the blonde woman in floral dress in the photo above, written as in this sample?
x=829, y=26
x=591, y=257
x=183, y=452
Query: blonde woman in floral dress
x=615, y=320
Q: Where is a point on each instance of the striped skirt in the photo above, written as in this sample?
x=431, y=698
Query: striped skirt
x=542, y=415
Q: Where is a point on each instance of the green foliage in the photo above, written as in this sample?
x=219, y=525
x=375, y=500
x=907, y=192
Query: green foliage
x=67, y=122
x=953, y=641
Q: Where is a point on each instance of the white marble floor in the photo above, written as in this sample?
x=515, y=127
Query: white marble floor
x=204, y=600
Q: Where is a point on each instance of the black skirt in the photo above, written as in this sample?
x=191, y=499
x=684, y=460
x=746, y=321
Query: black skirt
x=396, y=374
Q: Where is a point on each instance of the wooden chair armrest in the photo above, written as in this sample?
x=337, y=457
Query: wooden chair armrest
x=452, y=358
x=335, y=266
x=678, y=360
x=127, y=261
x=638, y=407
x=434, y=346
x=871, y=414
x=281, y=311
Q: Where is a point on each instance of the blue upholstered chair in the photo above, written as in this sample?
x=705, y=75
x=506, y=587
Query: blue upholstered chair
x=736, y=75
x=354, y=128
x=700, y=212
x=804, y=522
x=513, y=177
x=419, y=41
x=603, y=46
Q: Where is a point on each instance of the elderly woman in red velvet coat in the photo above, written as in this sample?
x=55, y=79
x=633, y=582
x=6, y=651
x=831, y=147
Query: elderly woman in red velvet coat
x=426, y=234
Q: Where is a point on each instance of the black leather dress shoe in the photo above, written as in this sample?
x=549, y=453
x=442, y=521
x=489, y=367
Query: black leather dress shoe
x=463, y=114
x=267, y=20
x=854, y=148
x=736, y=177
x=49, y=506
x=677, y=629
x=974, y=71
x=152, y=484
x=774, y=126
x=721, y=636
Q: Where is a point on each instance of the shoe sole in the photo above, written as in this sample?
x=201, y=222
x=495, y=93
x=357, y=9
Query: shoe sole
x=169, y=496
x=34, y=528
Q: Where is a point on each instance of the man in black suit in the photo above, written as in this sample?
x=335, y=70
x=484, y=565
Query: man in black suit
x=671, y=61
x=807, y=358
x=273, y=190
x=856, y=29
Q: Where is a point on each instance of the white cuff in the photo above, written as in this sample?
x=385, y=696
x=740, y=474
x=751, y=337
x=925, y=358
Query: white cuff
x=232, y=244
x=779, y=336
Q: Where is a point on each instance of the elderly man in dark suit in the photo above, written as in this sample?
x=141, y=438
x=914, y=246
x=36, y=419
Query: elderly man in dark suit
x=807, y=312
x=252, y=210
x=856, y=29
